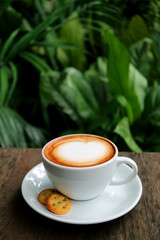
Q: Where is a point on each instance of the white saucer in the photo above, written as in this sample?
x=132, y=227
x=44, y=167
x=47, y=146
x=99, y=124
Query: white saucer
x=114, y=202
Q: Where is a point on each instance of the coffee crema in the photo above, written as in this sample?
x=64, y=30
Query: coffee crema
x=80, y=150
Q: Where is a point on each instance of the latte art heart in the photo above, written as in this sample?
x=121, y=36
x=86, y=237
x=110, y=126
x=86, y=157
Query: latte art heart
x=80, y=151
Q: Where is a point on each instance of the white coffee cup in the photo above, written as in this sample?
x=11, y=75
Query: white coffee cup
x=86, y=182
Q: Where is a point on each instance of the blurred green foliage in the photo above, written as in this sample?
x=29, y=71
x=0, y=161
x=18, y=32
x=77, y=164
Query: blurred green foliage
x=80, y=66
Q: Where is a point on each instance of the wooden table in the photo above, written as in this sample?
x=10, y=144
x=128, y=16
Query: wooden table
x=19, y=221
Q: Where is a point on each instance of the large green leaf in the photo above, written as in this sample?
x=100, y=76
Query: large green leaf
x=16, y=132
x=138, y=86
x=123, y=130
x=71, y=92
x=141, y=56
x=97, y=70
x=117, y=65
x=53, y=93
x=86, y=103
x=72, y=32
x=124, y=79
x=96, y=75
x=127, y=106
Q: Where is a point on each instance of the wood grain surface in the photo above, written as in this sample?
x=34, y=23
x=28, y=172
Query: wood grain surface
x=19, y=221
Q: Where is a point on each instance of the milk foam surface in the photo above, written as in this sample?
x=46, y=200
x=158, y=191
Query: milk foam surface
x=80, y=151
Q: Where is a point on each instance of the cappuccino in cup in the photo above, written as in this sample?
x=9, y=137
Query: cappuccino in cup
x=81, y=166
x=79, y=151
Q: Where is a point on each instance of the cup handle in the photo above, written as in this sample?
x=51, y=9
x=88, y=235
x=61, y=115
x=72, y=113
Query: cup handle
x=132, y=164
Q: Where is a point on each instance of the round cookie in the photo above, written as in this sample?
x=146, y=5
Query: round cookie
x=58, y=203
x=43, y=195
